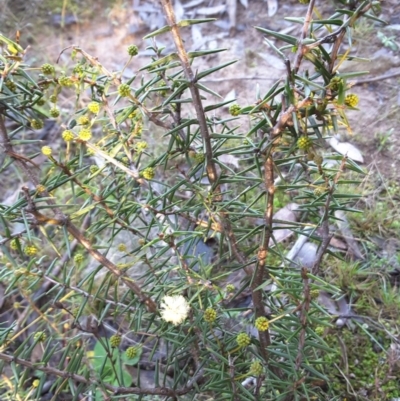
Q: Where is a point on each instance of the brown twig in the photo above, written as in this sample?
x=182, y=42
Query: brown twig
x=302, y=48
x=259, y=275
x=163, y=391
x=197, y=103
x=305, y=307
x=326, y=235
x=377, y=79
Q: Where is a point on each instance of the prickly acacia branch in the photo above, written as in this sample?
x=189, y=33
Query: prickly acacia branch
x=201, y=116
x=163, y=391
x=62, y=219
x=260, y=272
x=196, y=98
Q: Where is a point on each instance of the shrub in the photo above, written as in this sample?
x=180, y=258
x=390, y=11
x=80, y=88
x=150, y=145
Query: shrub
x=161, y=296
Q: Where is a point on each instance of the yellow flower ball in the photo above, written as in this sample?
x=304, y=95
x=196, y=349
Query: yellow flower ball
x=30, y=250
x=40, y=336
x=115, y=340
x=148, y=173
x=83, y=120
x=124, y=90
x=35, y=383
x=210, y=315
x=78, y=258
x=234, y=110
x=84, y=134
x=243, y=340
x=68, y=135
x=256, y=368
x=261, y=324
x=40, y=188
x=131, y=352
x=351, y=100
x=46, y=150
x=122, y=247
x=141, y=146
x=48, y=69
x=94, y=107
x=54, y=112
x=304, y=143
x=230, y=288
x=65, y=81
x=37, y=124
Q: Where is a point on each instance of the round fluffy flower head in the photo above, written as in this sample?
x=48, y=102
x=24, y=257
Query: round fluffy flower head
x=234, y=110
x=46, y=150
x=115, y=340
x=78, y=69
x=122, y=247
x=93, y=169
x=53, y=99
x=40, y=336
x=199, y=158
x=30, y=250
x=210, y=315
x=48, y=69
x=174, y=309
x=314, y=294
x=230, y=288
x=351, y=100
x=335, y=83
x=94, y=107
x=83, y=120
x=262, y=323
x=65, y=81
x=78, y=258
x=84, y=134
x=256, y=368
x=11, y=85
x=243, y=340
x=40, y=188
x=54, y=112
x=133, y=50
x=37, y=124
x=148, y=173
x=319, y=191
x=41, y=102
x=35, y=383
x=304, y=143
x=131, y=352
x=14, y=244
x=68, y=135
x=124, y=90
x=141, y=146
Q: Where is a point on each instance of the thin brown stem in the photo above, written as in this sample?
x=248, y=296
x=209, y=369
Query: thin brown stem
x=197, y=103
x=259, y=276
x=163, y=391
x=302, y=49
